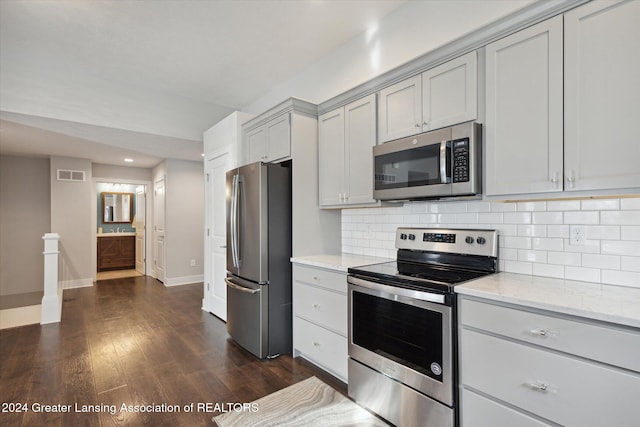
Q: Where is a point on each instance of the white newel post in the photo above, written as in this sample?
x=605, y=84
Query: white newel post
x=52, y=299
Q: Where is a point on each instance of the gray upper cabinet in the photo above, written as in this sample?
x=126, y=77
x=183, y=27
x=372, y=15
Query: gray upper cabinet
x=602, y=96
x=450, y=93
x=270, y=142
x=346, y=139
x=562, y=99
x=400, y=110
x=524, y=111
x=442, y=96
x=331, y=157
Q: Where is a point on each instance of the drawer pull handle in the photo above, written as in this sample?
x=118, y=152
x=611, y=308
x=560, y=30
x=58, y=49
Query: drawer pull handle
x=316, y=344
x=542, y=387
x=541, y=332
x=315, y=306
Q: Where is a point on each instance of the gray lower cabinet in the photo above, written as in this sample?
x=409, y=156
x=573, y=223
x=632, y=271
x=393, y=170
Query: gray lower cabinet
x=526, y=367
x=320, y=318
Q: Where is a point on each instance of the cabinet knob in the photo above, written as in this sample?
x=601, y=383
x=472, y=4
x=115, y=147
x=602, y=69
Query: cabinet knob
x=541, y=332
x=315, y=277
x=316, y=344
x=425, y=124
x=418, y=125
x=315, y=305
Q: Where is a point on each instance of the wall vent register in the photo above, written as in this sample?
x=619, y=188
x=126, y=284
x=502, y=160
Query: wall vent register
x=70, y=175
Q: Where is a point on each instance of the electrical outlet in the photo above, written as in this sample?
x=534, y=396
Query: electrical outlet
x=193, y=263
x=578, y=235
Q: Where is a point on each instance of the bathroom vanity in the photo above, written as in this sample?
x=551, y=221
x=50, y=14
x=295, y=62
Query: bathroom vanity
x=116, y=251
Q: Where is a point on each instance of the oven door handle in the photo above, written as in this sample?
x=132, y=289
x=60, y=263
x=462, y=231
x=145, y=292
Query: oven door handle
x=410, y=293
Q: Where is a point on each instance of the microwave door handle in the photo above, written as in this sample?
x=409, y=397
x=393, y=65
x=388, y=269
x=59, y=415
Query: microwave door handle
x=443, y=162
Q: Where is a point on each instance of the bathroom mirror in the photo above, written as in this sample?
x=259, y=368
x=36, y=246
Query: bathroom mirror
x=117, y=207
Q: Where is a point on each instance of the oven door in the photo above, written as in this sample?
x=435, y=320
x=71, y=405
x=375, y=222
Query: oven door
x=414, y=167
x=404, y=334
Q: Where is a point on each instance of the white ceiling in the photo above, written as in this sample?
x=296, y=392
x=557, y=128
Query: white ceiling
x=116, y=72
x=144, y=78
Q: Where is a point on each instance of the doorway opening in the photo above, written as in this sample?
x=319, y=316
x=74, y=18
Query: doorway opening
x=121, y=230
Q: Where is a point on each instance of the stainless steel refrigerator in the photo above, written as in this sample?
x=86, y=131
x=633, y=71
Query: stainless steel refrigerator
x=258, y=258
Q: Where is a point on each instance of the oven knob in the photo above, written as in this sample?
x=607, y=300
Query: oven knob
x=481, y=240
x=412, y=237
x=469, y=239
x=403, y=236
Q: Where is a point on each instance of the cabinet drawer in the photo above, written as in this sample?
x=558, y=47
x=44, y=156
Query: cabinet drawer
x=336, y=281
x=323, y=347
x=478, y=411
x=326, y=308
x=619, y=347
x=559, y=388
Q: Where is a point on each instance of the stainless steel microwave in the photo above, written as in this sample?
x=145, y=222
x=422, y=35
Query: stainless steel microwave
x=437, y=164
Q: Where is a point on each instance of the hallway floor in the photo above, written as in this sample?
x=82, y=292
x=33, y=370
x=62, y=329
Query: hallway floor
x=116, y=274
x=133, y=341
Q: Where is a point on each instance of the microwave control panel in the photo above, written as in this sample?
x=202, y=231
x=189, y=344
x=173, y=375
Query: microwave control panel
x=461, y=160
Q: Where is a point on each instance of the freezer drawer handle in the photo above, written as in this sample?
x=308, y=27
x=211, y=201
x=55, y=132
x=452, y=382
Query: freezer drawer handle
x=241, y=288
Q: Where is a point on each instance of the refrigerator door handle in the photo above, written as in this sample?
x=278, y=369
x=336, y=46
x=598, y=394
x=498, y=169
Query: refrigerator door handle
x=234, y=190
x=237, y=217
x=241, y=288
x=234, y=221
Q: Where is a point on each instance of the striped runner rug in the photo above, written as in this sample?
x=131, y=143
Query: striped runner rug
x=308, y=403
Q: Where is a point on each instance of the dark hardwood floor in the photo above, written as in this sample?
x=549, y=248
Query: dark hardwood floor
x=135, y=342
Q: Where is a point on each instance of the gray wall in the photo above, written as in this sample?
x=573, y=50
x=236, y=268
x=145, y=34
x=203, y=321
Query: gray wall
x=71, y=217
x=121, y=172
x=25, y=212
x=184, y=220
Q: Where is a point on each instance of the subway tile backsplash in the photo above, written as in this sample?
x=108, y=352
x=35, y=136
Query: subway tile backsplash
x=534, y=237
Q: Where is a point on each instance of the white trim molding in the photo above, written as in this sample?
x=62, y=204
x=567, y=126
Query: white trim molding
x=184, y=280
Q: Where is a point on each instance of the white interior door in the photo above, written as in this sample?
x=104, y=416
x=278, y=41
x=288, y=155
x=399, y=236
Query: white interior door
x=158, y=228
x=217, y=234
x=140, y=224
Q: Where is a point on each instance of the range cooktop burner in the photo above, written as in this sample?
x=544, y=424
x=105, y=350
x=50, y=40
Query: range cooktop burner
x=416, y=276
x=449, y=276
x=436, y=260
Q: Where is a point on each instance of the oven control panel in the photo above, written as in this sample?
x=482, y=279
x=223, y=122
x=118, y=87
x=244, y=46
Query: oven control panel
x=458, y=241
x=439, y=237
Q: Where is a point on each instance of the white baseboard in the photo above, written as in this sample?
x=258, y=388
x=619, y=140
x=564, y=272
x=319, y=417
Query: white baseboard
x=20, y=316
x=77, y=283
x=184, y=280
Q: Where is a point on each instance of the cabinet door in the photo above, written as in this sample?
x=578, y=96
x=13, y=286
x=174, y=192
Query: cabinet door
x=278, y=138
x=524, y=111
x=400, y=109
x=602, y=93
x=450, y=93
x=256, y=145
x=331, y=157
x=360, y=137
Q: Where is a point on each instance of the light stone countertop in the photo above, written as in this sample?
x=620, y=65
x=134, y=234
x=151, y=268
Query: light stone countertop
x=121, y=233
x=608, y=303
x=339, y=262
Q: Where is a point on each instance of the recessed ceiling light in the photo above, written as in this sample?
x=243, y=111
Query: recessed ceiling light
x=128, y=160
x=202, y=154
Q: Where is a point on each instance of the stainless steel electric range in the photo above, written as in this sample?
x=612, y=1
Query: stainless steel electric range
x=402, y=324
